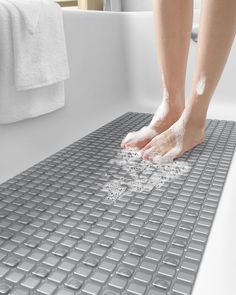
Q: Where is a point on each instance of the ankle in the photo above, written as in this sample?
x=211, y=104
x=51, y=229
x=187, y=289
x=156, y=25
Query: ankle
x=176, y=106
x=194, y=119
x=169, y=115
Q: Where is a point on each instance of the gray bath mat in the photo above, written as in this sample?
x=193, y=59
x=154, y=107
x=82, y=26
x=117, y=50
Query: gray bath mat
x=79, y=222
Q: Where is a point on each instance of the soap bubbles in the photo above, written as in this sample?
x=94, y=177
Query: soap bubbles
x=140, y=175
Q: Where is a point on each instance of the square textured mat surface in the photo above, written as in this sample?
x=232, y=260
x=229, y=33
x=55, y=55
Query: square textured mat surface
x=60, y=234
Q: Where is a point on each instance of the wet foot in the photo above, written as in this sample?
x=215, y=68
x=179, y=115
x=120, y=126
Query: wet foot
x=165, y=116
x=182, y=136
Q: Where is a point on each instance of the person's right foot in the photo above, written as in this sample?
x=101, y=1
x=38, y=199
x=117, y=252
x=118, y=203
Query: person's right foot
x=165, y=116
x=182, y=136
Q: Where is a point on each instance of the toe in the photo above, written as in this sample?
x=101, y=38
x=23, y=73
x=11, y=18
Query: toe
x=152, y=148
x=127, y=139
x=149, y=145
x=138, y=139
x=136, y=144
x=130, y=145
x=123, y=143
x=146, y=154
x=146, y=147
x=150, y=153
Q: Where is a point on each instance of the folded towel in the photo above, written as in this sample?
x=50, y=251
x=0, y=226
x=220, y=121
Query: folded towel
x=30, y=11
x=18, y=105
x=40, y=57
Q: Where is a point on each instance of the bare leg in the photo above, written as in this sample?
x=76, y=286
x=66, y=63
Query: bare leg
x=216, y=35
x=173, y=23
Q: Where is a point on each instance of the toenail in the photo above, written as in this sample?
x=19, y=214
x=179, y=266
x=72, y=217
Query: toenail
x=139, y=153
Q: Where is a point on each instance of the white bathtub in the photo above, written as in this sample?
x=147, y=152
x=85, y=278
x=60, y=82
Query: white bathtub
x=114, y=70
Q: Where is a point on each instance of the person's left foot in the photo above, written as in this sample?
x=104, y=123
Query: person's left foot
x=181, y=137
x=165, y=116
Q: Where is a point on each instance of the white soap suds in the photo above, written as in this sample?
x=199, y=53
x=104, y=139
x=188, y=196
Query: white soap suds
x=201, y=86
x=138, y=175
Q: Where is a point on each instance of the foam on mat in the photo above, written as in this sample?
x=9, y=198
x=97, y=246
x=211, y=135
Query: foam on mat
x=140, y=175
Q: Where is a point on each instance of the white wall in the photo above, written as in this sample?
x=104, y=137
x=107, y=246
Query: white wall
x=146, y=5
x=143, y=5
x=197, y=4
x=136, y=5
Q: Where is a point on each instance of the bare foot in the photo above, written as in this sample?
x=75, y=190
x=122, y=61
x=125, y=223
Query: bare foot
x=182, y=136
x=165, y=116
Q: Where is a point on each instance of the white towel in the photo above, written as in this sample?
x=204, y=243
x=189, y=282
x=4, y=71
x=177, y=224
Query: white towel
x=40, y=57
x=30, y=11
x=18, y=105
